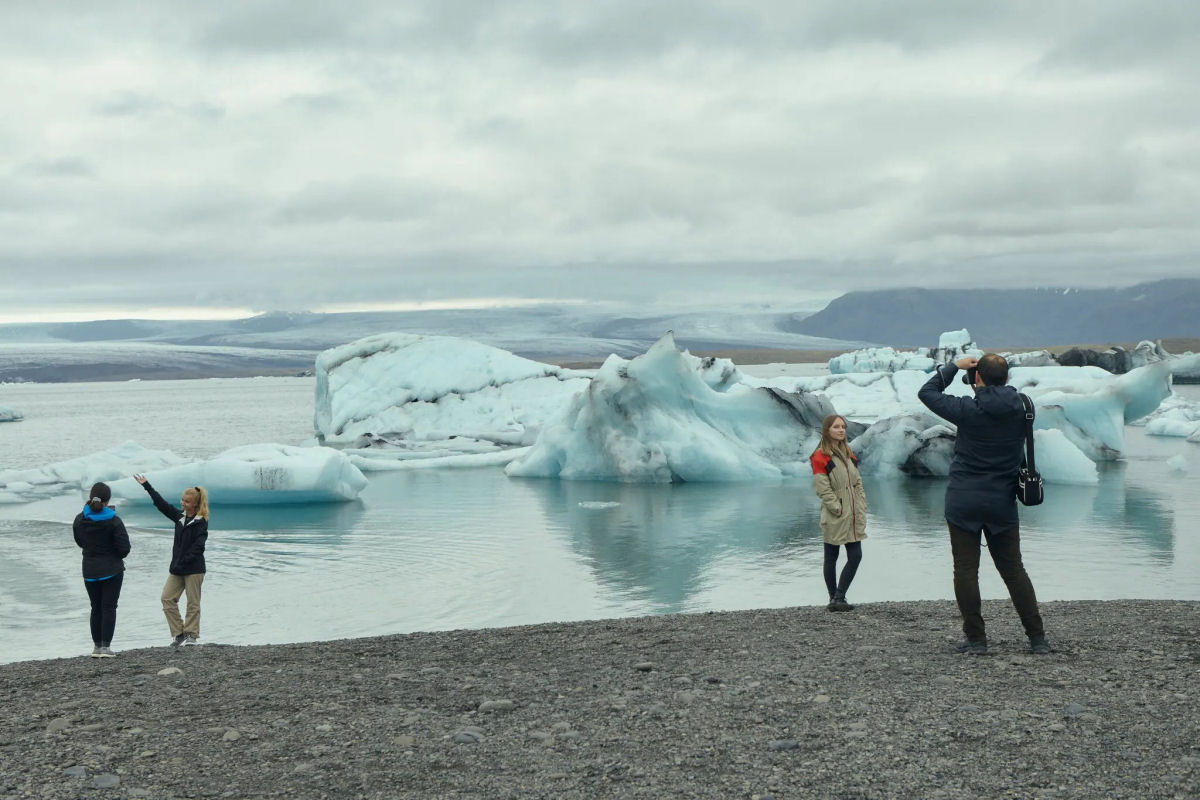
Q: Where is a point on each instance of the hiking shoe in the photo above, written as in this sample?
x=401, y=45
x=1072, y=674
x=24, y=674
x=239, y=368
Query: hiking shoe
x=974, y=647
x=838, y=603
x=178, y=640
x=96, y=651
x=1039, y=646
x=189, y=639
x=106, y=653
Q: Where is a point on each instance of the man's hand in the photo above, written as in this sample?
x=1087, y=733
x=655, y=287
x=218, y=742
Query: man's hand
x=966, y=362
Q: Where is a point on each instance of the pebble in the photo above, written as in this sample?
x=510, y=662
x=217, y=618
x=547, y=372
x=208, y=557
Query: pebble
x=467, y=736
x=56, y=725
x=167, y=672
x=821, y=698
x=497, y=705
x=75, y=772
x=1073, y=710
x=784, y=744
x=644, y=666
x=404, y=740
x=231, y=735
x=106, y=781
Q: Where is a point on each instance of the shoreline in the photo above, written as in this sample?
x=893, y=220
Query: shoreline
x=791, y=702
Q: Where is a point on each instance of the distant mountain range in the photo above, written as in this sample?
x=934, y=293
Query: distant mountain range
x=1013, y=317
x=287, y=343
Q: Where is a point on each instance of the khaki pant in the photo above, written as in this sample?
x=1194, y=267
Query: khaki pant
x=172, y=589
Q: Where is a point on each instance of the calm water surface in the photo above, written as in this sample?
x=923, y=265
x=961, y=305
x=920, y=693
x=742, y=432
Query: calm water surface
x=439, y=549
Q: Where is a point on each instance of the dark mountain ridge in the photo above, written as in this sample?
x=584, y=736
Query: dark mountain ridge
x=1013, y=317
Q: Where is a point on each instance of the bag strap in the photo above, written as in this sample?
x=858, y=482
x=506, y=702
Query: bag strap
x=1025, y=401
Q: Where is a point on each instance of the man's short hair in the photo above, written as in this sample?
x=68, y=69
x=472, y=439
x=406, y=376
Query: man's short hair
x=993, y=369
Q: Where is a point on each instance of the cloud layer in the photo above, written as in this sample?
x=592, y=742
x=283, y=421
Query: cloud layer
x=281, y=155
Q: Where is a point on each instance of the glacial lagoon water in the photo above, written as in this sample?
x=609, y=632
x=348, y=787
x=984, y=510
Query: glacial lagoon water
x=443, y=549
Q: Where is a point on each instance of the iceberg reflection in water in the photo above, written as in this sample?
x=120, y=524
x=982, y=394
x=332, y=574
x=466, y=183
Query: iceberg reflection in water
x=439, y=549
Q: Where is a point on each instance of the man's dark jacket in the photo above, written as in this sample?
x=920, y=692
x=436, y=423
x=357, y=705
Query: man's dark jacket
x=987, y=451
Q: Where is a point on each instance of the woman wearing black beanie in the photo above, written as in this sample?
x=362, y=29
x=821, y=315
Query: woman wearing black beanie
x=101, y=535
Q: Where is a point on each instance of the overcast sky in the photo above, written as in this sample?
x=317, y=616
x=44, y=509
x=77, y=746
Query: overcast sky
x=215, y=157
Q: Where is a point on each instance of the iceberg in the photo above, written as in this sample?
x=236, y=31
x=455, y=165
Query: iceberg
x=9, y=414
x=257, y=474
x=404, y=389
x=1175, y=417
x=951, y=346
x=1185, y=368
x=668, y=416
x=26, y=485
x=879, y=359
x=922, y=445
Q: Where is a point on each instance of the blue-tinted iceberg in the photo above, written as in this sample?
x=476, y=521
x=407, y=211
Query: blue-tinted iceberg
x=257, y=474
x=9, y=414
x=668, y=416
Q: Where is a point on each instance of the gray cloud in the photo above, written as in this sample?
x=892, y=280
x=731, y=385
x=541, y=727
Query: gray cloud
x=282, y=155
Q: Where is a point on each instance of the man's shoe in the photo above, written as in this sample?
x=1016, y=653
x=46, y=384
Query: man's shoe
x=107, y=653
x=974, y=647
x=1039, y=646
x=189, y=639
x=178, y=640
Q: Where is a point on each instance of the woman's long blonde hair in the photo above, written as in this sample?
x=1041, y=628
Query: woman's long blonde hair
x=830, y=446
x=201, y=498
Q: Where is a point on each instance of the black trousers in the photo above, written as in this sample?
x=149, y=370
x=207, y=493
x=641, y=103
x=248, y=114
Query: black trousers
x=104, y=595
x=853, y=558
x=1006, y=555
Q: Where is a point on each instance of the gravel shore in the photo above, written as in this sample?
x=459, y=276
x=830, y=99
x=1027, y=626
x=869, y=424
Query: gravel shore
x=782, y=703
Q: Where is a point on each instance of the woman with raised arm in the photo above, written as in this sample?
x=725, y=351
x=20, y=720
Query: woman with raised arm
x=101, y=536
x=843, y=507
x=186, y=573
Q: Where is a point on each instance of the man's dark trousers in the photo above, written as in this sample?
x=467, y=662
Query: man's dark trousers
x=1005, y=548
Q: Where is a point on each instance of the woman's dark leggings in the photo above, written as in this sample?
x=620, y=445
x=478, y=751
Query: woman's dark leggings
x=853, y=557
x=103, y=595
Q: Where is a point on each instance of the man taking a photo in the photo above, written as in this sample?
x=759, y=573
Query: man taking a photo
x=981, y=494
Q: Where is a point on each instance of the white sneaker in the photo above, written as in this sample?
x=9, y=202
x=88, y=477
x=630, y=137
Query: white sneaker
x=178, y=640
x=189, y=639
x=106, y=653
x=96, y=651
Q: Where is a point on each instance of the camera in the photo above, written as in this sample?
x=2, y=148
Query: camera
x=969, y=376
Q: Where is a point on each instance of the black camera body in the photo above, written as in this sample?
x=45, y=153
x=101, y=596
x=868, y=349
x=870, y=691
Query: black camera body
x=969, y=376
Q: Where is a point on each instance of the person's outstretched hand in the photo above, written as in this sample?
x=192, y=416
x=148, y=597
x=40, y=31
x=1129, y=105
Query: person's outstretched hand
x=140, y=478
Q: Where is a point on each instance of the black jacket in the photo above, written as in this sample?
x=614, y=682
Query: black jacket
x=104, y=543
x=187, y=554
x=987, y=451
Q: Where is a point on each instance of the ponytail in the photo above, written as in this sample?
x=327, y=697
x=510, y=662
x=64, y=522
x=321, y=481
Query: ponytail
x=100, y=495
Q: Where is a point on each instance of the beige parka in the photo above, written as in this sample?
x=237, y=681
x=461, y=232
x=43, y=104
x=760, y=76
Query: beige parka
x=843, y=501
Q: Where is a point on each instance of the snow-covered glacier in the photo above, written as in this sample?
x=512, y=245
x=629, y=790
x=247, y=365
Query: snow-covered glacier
x=408, y=389
x=668, y=416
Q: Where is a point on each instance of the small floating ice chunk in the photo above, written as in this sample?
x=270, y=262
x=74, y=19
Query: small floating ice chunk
x=598, y=505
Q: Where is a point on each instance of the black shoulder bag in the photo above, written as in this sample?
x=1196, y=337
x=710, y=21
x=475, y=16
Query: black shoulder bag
x=1029, y=481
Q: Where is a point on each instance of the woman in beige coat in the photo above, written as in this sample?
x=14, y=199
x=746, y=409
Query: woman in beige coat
x=843, y=507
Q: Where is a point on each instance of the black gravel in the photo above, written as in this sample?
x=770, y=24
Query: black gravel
x=795, y=703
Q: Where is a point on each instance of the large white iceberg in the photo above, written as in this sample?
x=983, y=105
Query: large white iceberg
x=25, y=485
x=404, y=389
x=257, y=474
x=668, y=416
